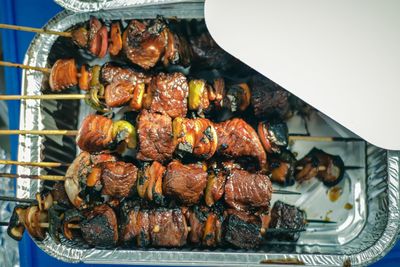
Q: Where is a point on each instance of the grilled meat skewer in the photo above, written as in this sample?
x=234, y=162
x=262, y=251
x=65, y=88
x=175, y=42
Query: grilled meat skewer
x=134, y=225
x=317, y=163
x=169, y=94
x=160, y=137
x=90, y=177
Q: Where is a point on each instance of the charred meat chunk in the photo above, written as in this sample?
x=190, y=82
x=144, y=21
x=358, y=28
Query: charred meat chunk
x=95, y=134
x=118, y=178
x=60, y=195
x=246, y=191
x=242, y=230
x=98, y=38
x=185, y=183
x=236, y=138
x=159, y=227
x=196, y=137
x=111, y=74
x=269, y=99
x=167, y=228
x=177, y=50
x=207, y=53
x=273, y=135
x=144, y=42
x=167, y=94
x=155, y=137
x=317, y=163
x=285, y=216
x=196, y=218
x=63, y=75
x=282, y=167
x=100, y=228
x=118, y=93
x=129, y=230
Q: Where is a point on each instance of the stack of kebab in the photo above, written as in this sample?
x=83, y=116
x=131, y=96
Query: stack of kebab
x=164, y=131
x=242, y=191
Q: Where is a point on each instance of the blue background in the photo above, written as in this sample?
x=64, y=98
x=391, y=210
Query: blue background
x=36, y=13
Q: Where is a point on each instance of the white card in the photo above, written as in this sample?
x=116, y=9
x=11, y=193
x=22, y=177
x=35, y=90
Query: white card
x=340, y=56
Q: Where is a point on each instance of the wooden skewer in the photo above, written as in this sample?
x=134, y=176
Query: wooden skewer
x=30, y=176
x=62, y=178
x=322, y=138
x=39, y=132
x=36, y=30
x=33, y=164
x=22, y=66
x=46, y=97
x=75, y=132
x=323, y=168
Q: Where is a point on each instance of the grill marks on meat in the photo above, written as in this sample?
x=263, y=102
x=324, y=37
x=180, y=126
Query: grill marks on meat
x=111, y=74
x=186, y=183
x=317, y=163
x=155, y=137
x=147, y=42
x=100, y=227
x=269, y=99
x=160, y=227
x=118, y=178
x=119, y=93
x=242, y=230
x=246, y=191
x=95, y=134
x=285, y=216
x=168, y=228
x=63, y=75
x=144, y=42
x=167, y=94
x=236, y=138
x=123, y=84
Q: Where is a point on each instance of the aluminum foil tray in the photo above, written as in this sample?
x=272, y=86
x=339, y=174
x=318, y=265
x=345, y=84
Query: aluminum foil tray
x=362, y=235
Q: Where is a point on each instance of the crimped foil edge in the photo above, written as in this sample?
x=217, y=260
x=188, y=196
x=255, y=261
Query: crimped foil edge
x=79, y=6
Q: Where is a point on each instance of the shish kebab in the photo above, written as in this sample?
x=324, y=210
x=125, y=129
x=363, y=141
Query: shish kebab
x=160, y=139
x=134, y=224
x=112, y=86
x=103, y=177
x=144, y=43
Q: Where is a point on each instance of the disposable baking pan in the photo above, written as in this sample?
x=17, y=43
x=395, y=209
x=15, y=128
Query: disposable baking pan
x=364, y=232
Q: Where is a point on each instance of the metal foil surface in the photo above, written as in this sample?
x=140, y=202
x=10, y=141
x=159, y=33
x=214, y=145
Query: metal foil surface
x=79, y=6
x=363, y=234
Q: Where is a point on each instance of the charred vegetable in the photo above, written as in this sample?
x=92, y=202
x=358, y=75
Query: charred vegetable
x=273, y=135
x=282, y=168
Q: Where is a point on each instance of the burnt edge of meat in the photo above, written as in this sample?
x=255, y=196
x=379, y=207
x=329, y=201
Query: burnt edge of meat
x=269, y=99
x=285, y=216
x=241, y=233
